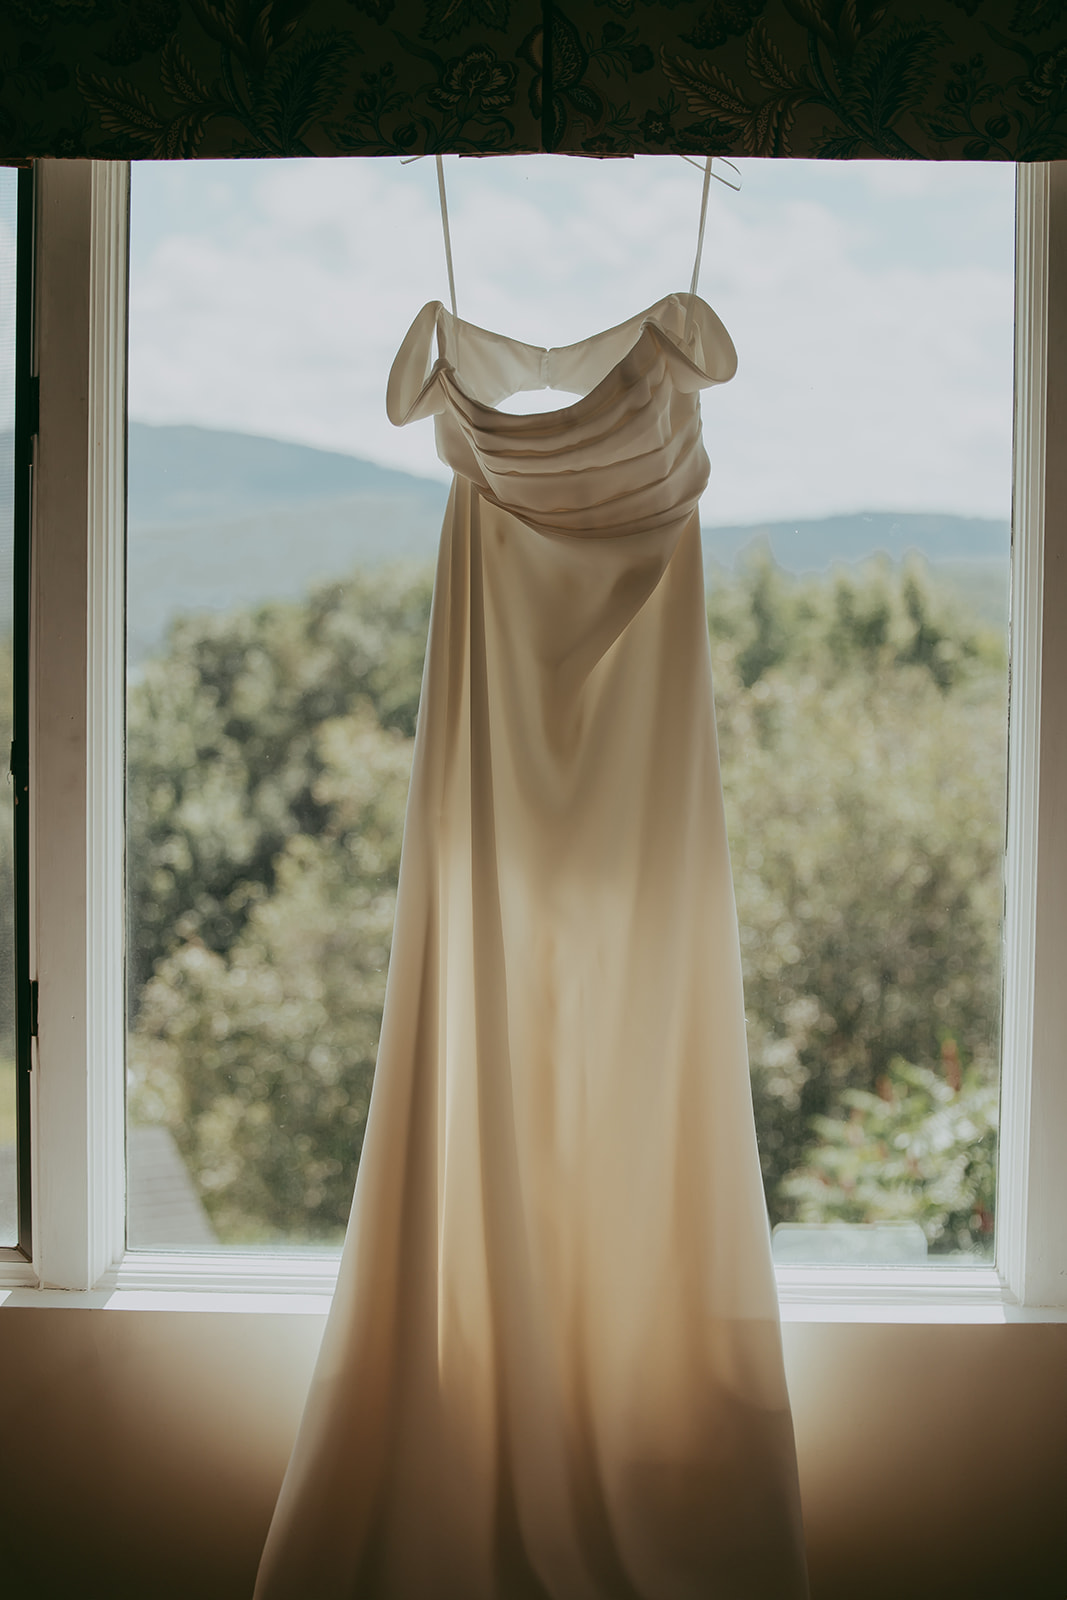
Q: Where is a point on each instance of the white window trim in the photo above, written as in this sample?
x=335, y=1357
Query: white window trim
x=1032, y=1178
x=77, y=688
x=76, y=723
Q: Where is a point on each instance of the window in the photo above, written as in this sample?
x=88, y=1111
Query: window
x=858, y=563
x=84, y=1124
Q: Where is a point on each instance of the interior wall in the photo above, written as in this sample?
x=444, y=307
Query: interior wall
x=140, y=1452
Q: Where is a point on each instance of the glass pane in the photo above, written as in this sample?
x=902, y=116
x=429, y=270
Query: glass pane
x=280, y=548
x=8, y=1174
x=278, y=598
x=858, y=609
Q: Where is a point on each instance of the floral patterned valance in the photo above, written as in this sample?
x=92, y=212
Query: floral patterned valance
x=944, y=79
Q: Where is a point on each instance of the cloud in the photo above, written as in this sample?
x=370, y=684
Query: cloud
x=8, y=179
x=872, y=311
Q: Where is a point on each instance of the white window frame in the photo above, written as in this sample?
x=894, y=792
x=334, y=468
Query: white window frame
x=77, y=800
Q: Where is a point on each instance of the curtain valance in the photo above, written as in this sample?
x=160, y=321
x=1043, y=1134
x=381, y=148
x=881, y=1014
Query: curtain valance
x=933, y=79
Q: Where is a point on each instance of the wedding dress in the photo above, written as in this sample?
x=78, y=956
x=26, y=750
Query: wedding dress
x=552, y=1369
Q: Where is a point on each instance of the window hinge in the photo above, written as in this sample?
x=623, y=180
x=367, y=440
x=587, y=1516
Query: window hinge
x=34, y=994
x=16, y=763
x=27, y=418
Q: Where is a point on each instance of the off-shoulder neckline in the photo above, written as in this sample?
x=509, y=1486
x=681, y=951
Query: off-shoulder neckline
x=435, y=314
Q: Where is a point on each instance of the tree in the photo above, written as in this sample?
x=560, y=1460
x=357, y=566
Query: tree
x=923, y=1149
x=864, y=774
x=260, y=1058
x=7, y=863
x=862, y=728
x=223, y=760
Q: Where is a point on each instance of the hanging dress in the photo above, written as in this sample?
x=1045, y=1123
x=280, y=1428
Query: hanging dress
x=552, y=1369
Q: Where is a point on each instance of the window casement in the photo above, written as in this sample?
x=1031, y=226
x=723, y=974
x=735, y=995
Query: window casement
x=77, y=684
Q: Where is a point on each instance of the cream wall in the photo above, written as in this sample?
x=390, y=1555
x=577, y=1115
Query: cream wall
x=140, y=1452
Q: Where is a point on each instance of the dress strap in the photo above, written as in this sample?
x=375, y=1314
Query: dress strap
x=448, y=236
x=700, y=250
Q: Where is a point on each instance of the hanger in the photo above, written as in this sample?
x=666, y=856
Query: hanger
x=709, y=173
x=687, y=332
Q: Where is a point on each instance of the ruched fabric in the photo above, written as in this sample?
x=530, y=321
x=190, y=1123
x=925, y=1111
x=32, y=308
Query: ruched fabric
x=552, y=1369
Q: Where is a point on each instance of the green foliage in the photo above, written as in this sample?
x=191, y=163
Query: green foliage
x=223, y=757
x=864, y=775
x=923, y=1149
x=862, y=728
x=8, y=1124
x=269, y=755
x=7, y=863
x=260, y=1059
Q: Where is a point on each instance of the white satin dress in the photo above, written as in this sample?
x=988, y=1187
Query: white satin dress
x=552, y=1369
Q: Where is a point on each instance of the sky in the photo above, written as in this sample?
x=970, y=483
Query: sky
x=8, y=190
x=871, y=305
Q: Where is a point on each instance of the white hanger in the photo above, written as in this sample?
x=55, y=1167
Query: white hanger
x=687, y=333
x=709, y=173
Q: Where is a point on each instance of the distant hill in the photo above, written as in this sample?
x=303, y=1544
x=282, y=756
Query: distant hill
x=967, y=556
x=7, y=467
x=815, y=544
x=182, y=475
x=219, y=519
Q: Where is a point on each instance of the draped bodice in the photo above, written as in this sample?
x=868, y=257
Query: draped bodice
x=627, y=457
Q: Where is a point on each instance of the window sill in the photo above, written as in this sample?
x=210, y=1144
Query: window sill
x=297, y=1286
x=935, y=1294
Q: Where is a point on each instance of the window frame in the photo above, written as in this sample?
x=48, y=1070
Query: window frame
x=25, y=427
x=77, y=795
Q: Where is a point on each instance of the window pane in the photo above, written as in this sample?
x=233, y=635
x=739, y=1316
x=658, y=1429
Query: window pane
x=859, y=639
x=8, y=1173
x=281, y=536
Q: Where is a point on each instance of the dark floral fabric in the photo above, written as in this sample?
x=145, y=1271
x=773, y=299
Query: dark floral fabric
x=940, y=79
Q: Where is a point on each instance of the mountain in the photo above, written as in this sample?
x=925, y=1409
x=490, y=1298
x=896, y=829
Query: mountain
x=183, y=475
x=816, y=544
x=219, y=519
